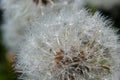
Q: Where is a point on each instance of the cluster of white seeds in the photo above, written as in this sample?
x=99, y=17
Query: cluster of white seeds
x=60, y=40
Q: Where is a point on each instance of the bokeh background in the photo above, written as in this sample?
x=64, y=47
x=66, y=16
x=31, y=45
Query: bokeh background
x=6, y=67
x=7, y=71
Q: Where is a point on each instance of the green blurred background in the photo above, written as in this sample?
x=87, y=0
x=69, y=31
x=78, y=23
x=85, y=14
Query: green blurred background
x=6, y=70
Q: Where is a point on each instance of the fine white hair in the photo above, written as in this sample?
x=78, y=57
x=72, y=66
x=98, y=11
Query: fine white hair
x=20, y=14
x=60, y=41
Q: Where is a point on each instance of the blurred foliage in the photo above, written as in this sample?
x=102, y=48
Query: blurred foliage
x=6, y=70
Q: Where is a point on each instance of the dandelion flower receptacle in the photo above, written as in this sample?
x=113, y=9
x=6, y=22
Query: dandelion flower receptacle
x=66, y=42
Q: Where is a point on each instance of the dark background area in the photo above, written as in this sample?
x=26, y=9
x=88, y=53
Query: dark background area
x=113, y=14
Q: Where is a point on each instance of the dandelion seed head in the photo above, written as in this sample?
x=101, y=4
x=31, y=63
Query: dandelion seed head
x=73, y=46
x=20, y=15
x=60, y=41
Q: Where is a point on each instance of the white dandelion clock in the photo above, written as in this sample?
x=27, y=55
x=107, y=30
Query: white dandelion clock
x=60, y=41
x=69, y=45
x=20, y=14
